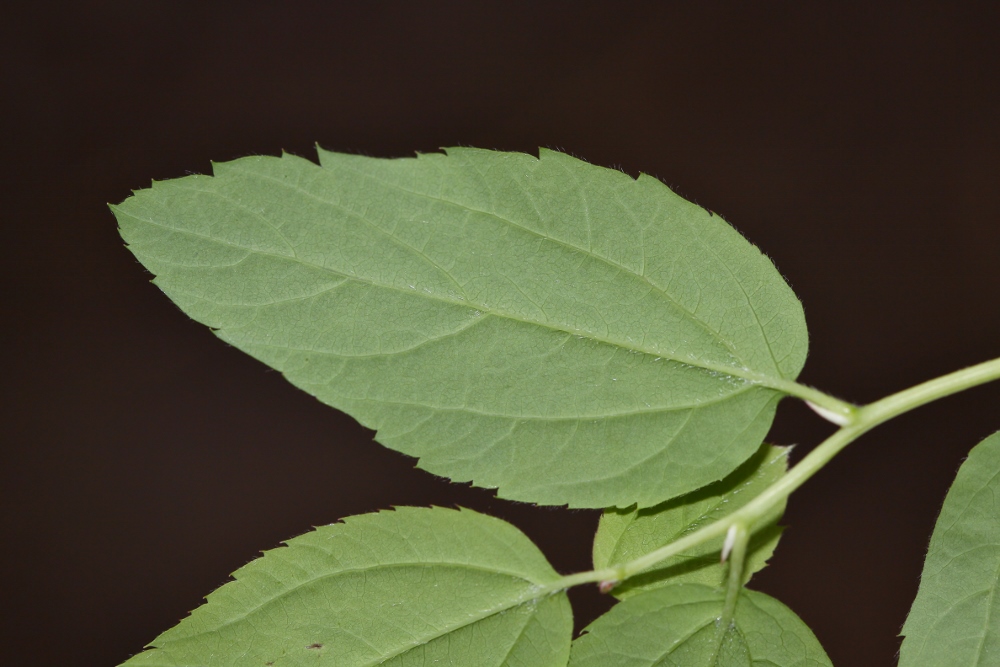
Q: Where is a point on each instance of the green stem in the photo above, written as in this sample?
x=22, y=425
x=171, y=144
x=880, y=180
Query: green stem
x=863, y=419
x=914, y=397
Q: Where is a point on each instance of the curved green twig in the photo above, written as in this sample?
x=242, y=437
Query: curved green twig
x=864, y=419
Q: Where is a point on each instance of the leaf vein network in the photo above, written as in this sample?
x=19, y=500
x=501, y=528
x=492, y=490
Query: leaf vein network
x=736, y=372
x=607, y=260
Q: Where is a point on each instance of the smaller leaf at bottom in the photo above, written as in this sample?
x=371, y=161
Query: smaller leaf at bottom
x=678, y=626
x=411, y=587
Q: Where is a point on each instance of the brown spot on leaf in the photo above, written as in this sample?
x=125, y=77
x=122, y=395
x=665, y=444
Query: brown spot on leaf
x=314, y=646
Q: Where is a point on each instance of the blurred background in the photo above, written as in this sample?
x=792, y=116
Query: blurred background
x=143, y=460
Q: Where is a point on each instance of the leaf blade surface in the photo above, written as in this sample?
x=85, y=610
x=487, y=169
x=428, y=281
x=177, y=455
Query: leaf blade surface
x=676, y=626
x=955, y=618
x=560, y=331
x=410, y=587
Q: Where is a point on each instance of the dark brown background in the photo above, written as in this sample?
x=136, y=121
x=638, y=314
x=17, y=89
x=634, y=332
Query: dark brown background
x=143, y=460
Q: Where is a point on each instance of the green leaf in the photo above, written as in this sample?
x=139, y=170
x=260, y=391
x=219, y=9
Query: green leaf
x=560, y=331
x=955, y=619
x=409, y=587
x=677, y=626
x=624, y=535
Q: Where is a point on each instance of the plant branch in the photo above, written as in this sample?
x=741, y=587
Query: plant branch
x=864, y=419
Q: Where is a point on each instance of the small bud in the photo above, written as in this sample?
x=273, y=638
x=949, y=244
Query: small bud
x=727, y=546
x=829, y=415
x=606, y=586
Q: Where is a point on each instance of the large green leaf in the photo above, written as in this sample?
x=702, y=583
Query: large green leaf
x=678, y=626
x=404, y=588
x=624, y=535
x=560, y=331
x=955, y=620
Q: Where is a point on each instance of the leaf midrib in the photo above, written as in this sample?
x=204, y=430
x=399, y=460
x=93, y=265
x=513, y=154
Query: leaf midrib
x=535, y=587
x=586, y=251
x=525, y=598
x=741, y=373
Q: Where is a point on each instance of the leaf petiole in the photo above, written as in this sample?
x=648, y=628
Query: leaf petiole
x=829, y=408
